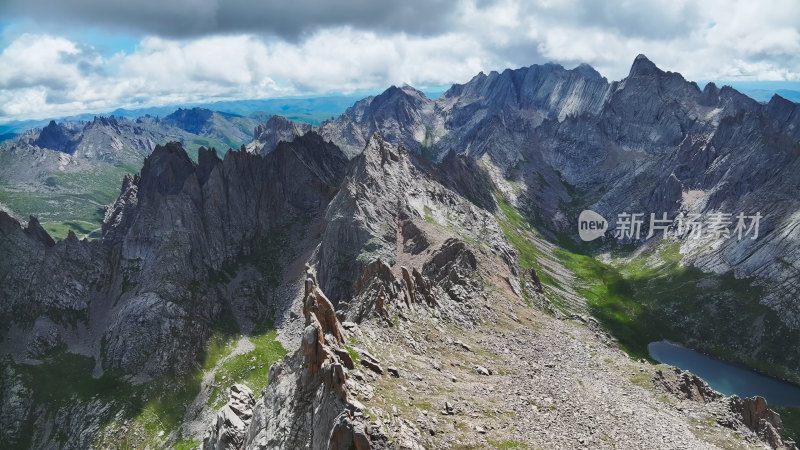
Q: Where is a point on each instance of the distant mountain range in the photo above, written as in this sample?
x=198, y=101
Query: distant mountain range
x=309, y=110
x=314, y=110
x=65, y=173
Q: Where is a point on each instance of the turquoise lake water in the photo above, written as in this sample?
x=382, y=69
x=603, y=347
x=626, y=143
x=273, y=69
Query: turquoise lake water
x=725, y=377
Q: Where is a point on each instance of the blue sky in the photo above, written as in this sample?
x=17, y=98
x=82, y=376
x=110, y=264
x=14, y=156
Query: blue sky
x=62, y=57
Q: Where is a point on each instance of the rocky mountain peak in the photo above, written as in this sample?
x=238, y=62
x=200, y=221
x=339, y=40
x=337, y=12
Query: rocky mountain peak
x=266, y=136
x=165, y=171
x=194, y=120
x=780, y=108
x=276, y=120
x=322, y=157
x=378, y=152
x=56, y=137
x=101, y=121
x=588, y=71
x=36, y=231
x=207, y=159
x=710, y=95
x=643, y=67
x=399, y=103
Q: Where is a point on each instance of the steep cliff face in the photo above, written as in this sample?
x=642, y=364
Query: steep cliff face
x=308, y=403
x=189, y=219
x=187, y=248
x=386, y=201
x=47, y=287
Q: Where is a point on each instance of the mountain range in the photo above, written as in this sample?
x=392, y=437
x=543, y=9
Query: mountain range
x=557, y=141
x=407, y=275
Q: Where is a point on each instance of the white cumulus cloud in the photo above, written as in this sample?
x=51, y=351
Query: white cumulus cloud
x=259, y=50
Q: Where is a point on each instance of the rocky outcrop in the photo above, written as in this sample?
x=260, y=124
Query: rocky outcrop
x=766, y=423
x=451, y=267
x=119, y=216
x=307, y=402
x=278, y=128
x=229, y=430
x=684, y=385
x=376, y=290
x=751, y=412
x=448, y=286
x=36, y=232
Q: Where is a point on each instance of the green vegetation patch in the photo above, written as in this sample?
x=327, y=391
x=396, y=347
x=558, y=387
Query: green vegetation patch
x=149, y=411
x=156, y=407
x=791, y=421
x=187, y=445
x=610, y=299
x=508, y=445
x=82, y=229
x=653, y=297
x=520, y=234
x=62, y=376
x=250, y=369
x=74, y=201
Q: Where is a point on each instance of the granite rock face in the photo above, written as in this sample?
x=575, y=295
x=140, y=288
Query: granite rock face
x=229, y=430
x=144, y=300
x=307, y=402
x=763, y=421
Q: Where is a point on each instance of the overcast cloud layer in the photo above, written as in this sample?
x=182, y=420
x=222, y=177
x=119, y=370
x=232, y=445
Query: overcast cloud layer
x=198, y=50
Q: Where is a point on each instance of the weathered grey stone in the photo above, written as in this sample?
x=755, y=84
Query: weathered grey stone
x=229, y=430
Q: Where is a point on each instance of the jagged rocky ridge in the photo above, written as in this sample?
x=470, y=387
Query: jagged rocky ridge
x=556, y=141
x=307, y=403
x=145, y=299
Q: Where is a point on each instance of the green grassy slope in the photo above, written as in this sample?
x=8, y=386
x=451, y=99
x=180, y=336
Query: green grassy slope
x=653, y=296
